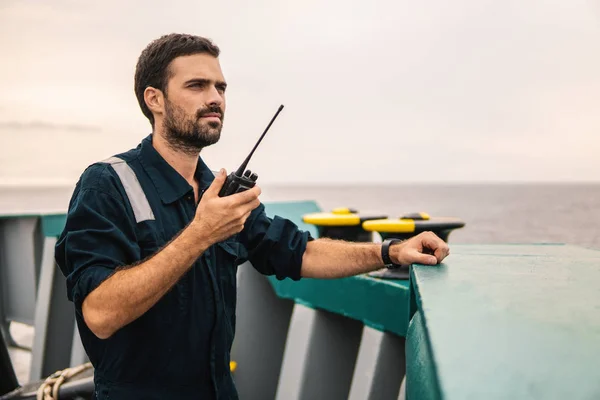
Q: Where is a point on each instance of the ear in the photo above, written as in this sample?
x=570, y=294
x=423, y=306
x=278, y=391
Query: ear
x=154, y=100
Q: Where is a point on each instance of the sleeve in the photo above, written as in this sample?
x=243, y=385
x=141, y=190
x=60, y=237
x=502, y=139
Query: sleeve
x=99, y=236
x=275, y=246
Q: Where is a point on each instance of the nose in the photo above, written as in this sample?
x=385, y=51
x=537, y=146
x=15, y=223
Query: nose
x=214, y=97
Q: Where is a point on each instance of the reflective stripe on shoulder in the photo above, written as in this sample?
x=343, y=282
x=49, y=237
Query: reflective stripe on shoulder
x=135, y=193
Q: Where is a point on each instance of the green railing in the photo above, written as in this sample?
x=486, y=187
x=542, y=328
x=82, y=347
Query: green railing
x=506, y=322
x=378, y=303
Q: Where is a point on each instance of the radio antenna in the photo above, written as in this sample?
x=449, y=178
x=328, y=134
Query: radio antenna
x=242, y=167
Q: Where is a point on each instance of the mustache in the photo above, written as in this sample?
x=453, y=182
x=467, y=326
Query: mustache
x=209, y=110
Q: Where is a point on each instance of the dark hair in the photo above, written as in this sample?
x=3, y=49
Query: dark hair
x=153, y=64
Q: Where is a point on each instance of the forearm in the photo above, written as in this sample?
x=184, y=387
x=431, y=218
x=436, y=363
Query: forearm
x=327, y=259
x=131, y=291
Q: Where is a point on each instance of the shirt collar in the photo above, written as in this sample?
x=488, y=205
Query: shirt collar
x=171, y=186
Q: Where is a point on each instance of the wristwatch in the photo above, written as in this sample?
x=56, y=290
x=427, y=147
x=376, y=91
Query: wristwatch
x=385, y=253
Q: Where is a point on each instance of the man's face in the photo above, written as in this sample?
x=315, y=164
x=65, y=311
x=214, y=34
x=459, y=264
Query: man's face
x=194, y=102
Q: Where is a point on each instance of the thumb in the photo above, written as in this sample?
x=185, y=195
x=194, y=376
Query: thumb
x=217, y=184
x=421, y=258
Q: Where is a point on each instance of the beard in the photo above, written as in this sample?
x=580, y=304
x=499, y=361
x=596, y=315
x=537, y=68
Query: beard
x=191, y=135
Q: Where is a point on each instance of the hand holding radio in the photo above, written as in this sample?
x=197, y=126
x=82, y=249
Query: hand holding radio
x=228, y=202
x=218, y=218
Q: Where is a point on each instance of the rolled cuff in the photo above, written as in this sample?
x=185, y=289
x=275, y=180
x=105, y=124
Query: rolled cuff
x=281, y=250
x=87, y=281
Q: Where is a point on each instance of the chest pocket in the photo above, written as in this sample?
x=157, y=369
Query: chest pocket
x=148, y=238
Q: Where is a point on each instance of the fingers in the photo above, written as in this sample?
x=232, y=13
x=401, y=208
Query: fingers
x=251, y=205
x=432, y=242
x=237, y=225
x=246, y=196
x=415, y=256
x=246, y=216
x=241, y=213
x=215, y=187
x=425, y=248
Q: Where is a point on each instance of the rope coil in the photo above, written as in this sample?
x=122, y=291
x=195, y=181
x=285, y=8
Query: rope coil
x=49, y=389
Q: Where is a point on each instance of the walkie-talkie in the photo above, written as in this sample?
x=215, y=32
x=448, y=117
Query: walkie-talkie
x=241, y=180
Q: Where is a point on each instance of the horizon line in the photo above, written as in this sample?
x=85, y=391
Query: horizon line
x=45, y=183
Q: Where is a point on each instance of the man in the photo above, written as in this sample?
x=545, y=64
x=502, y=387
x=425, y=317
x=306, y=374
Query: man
x=150, y=250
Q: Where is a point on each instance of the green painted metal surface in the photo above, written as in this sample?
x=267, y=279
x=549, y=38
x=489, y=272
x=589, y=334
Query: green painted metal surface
x=421, y=375
x=380, y=304
x=53, y=225
x=507, y=322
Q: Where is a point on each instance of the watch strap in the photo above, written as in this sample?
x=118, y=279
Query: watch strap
x=385, y=253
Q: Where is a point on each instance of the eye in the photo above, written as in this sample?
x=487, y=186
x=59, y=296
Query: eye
x=197, y=84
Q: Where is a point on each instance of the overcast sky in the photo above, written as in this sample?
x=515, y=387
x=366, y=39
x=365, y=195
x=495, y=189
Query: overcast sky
x=374, y=91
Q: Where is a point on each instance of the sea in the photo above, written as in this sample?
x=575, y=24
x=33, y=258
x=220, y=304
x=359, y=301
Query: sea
x=493, y=213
